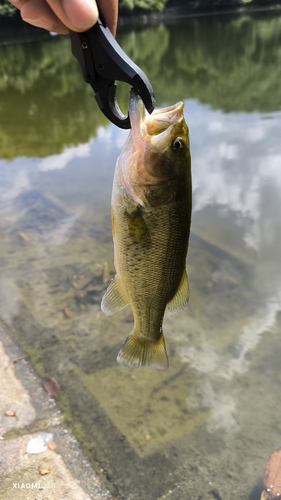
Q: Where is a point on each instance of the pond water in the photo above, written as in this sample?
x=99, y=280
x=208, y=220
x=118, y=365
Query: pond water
x=204, y=428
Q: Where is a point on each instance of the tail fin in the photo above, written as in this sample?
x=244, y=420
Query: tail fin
x=138, y=352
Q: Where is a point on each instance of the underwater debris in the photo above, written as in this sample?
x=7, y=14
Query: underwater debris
x=39, y=444
x=23, y=236
x=67, y=312
x=106, y=272
x=52, y=445
x=45, y=469
x=10, y=413
x=51, y=386
x=272, y=477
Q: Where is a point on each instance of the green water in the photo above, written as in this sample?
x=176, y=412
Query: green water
x=204, y=428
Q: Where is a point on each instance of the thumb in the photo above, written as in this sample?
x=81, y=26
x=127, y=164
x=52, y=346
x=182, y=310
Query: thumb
x=77, y=15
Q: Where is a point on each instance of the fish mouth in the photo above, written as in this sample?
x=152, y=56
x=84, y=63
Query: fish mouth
x=160, y=120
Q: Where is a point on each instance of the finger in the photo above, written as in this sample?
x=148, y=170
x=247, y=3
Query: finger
x=77, y=15
x=109, y=10
x=38, y=13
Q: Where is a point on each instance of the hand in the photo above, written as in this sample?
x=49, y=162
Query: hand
x=61, y=15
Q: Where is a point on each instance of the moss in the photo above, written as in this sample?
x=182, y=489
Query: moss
x=38, y=425
x=33, y=352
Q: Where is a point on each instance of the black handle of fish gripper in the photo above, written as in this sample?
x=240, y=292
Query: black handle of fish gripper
x=103, y=62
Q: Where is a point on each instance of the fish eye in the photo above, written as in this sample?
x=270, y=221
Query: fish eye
x=178, y=145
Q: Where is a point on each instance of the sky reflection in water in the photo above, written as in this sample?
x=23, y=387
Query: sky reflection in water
x=236, y=161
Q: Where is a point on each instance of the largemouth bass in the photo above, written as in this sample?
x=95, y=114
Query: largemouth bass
x=151, y=212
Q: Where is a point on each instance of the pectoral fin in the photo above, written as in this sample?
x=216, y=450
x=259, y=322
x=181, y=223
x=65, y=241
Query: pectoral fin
x=180, y=299
x=113, y=299
x=137, y=228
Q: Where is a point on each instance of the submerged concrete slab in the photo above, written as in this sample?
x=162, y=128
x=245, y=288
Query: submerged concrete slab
x=21, y=477
x=14, y=398
x=63, y=473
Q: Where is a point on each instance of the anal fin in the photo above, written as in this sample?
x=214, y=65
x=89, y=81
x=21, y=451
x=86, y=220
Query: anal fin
x=180, y=299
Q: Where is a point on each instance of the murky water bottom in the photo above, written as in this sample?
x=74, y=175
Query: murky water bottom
x=201, y=429
x=204, y=428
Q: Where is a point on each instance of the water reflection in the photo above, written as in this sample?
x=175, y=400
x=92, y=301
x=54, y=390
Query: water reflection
x=236, y=208
x=205, y=427
x=231, y=64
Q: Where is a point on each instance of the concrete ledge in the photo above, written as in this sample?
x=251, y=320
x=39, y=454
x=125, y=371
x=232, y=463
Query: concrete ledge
x=63, y=473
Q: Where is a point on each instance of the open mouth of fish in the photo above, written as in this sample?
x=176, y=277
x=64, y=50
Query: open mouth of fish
x=160, y=121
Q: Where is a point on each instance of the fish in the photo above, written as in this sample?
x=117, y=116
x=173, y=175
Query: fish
x=151, y=216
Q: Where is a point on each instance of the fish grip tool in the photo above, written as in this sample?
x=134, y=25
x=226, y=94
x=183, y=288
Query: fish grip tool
x=103, y=62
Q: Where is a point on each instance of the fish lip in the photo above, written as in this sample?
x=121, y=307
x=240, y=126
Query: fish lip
x=169, y=111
